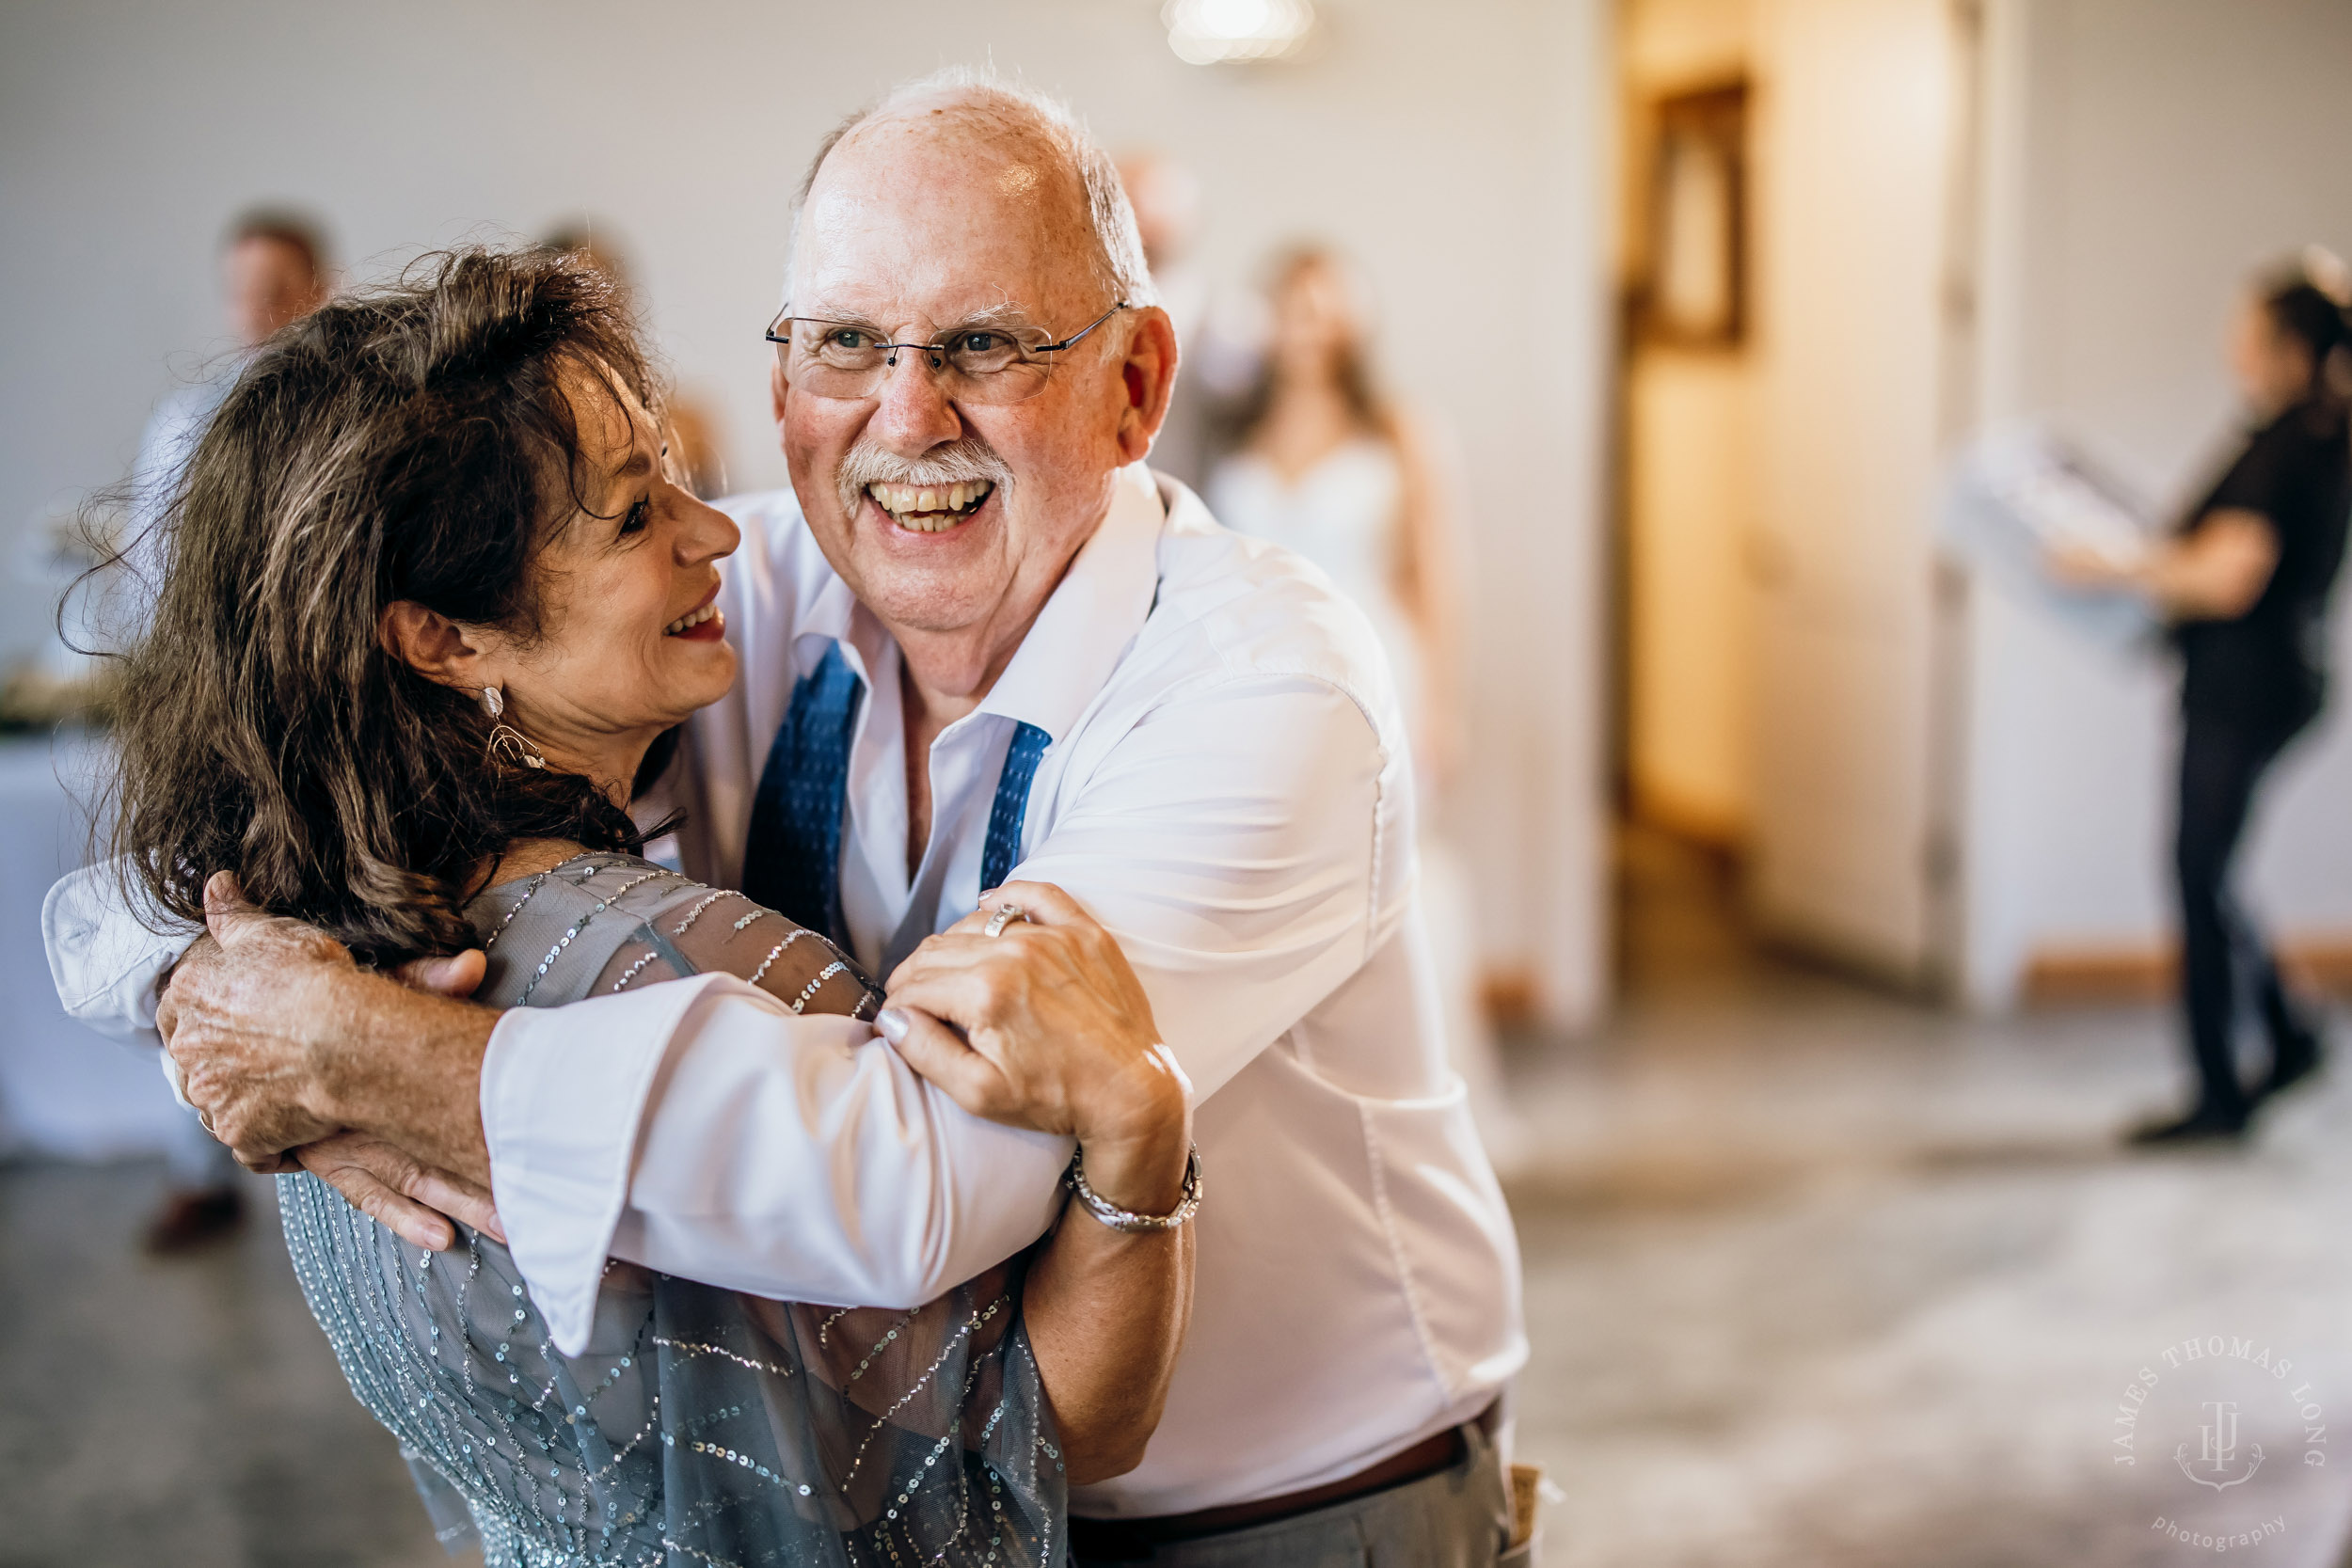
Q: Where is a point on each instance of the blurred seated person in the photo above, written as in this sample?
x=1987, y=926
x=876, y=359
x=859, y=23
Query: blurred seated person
x=275, y=269
x=2245, y=583
x=692, y=430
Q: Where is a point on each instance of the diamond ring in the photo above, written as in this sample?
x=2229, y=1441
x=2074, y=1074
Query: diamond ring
x=1006, y=914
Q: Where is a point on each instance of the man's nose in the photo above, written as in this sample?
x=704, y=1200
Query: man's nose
x=912, y=414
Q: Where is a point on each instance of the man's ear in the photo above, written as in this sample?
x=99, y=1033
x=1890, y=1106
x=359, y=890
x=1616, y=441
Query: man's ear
x=1148, y=375
x=776, y=392
x=433, y=646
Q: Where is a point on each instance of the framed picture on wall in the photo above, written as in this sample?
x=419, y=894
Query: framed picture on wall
x=1693, y=292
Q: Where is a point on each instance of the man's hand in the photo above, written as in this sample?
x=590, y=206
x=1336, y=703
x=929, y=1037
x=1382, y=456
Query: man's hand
x=398, y=1191
x=458, y=975
x=281, y=1040
x=1056, y=1035
x=232, y=1019
x=389, y=1185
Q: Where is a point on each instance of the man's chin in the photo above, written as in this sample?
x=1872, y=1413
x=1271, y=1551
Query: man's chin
x=927, y=580
x=922, y=597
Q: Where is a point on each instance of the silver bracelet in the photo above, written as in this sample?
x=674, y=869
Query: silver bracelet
x=1111, y=1215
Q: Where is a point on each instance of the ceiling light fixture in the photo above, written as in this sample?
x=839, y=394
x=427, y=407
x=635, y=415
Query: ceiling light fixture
x=1237, y=32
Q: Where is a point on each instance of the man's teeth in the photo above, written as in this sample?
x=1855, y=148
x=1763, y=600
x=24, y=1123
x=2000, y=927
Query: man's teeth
x=929, y=508
x=692, y=618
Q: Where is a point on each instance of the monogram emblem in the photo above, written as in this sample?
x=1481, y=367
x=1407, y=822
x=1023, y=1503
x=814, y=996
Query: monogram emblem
x=2217, y=1449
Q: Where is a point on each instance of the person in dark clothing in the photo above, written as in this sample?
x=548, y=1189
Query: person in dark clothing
x=2245, y=583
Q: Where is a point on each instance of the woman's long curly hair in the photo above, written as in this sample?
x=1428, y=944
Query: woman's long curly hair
x=414, y=441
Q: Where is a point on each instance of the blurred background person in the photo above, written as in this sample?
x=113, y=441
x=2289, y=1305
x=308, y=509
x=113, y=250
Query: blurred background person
x=276, y=267
x=2245, y=583
x=692, y=430
x=1166, y=197
x=1324, y=463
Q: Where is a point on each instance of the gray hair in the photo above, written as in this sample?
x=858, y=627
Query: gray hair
x=981, y=98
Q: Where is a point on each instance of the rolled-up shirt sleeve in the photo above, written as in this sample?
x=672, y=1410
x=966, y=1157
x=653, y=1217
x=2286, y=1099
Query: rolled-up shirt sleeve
x=702, y=1128
x=107, y=962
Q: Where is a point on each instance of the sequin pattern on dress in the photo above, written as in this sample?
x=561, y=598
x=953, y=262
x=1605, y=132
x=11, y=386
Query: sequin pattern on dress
x=699, y=1427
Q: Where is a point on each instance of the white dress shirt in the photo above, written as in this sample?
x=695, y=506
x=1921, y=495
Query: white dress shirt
x=1228, y=791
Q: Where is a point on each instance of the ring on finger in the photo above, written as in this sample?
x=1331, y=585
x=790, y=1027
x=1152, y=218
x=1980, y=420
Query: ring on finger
x=205, y=1119
x=1006, y=914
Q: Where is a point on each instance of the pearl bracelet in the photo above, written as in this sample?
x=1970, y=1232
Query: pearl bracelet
x=1109, y=1214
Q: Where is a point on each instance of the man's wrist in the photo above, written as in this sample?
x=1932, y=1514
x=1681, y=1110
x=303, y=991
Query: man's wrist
x=326, y=1007
x=401, y=1063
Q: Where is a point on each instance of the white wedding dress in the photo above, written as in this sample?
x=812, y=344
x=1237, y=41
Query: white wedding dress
x=1346, y=516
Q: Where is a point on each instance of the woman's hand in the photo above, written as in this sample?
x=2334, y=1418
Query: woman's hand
x=2215, y=572
x=1056, y=1034
x=2085, y=569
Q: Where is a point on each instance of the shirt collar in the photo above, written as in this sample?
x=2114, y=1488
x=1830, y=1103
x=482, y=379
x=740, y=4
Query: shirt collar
x=831, y=615
x=1091, y=618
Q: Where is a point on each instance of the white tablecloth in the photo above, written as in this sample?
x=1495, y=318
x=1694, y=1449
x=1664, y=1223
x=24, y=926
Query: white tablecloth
x=63, y=1091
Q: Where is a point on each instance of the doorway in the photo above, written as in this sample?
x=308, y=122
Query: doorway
x=1684, y=411
x=1794, y=243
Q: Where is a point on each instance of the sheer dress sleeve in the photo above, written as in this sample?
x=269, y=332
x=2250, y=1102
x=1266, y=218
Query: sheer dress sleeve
x=718, y=930
x=700, y=1426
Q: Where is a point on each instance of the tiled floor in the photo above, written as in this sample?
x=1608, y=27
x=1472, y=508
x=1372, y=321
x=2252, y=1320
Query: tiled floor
x=1814, y=1277
x=185, y=1413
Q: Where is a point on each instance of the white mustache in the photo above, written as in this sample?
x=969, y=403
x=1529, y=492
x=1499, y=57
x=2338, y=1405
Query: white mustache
x=960, y=462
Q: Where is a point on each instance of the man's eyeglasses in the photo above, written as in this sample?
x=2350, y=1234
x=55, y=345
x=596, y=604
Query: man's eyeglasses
x=979, y=364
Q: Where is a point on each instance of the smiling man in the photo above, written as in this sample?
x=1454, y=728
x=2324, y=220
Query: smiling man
x=985, y=642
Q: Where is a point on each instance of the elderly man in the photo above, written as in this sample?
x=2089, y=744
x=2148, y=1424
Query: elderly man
x=984, y=637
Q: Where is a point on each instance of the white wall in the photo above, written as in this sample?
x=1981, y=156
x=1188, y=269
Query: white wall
x=1453, y=149
x=2145, y=155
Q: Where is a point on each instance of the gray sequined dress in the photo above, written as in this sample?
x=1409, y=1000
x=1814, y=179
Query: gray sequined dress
x=701, y=1426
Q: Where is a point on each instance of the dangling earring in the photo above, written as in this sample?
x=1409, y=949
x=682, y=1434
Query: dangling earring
x=507, y=743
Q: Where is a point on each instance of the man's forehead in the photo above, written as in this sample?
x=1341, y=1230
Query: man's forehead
x=927, y=290
x=938, y=226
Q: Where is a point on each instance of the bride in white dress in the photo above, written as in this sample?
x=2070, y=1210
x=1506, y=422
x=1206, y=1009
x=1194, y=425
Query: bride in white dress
x=1329, y=467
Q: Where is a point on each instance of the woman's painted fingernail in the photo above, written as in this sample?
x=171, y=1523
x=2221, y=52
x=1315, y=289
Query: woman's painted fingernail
x=893, y=1024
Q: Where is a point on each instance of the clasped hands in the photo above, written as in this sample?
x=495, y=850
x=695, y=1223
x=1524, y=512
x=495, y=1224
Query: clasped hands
x=299, y=1059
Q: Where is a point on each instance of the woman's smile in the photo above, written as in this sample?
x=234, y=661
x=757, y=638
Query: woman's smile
x=705, y=623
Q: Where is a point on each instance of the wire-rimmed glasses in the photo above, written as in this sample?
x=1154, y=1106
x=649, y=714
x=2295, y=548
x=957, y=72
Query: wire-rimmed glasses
x=983, y=361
